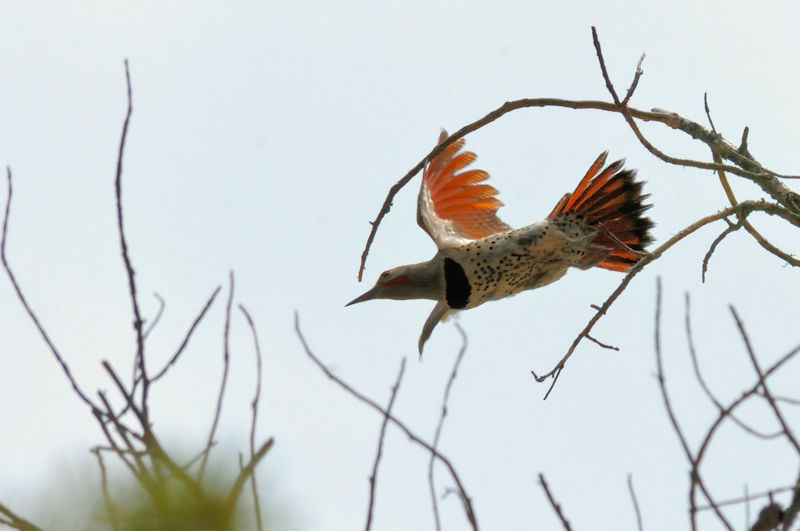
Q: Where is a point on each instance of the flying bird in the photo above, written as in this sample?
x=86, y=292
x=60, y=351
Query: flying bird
x=480, y=258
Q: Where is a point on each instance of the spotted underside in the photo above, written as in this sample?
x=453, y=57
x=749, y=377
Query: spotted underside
x=508, y=263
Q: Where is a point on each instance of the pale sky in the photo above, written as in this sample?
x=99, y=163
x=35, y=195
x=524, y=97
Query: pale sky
x=264, y=138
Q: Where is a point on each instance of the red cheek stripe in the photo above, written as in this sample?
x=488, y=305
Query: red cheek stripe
x=397, y=281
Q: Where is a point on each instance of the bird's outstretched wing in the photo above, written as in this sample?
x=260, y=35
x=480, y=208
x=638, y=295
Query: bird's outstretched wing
x=452, y=207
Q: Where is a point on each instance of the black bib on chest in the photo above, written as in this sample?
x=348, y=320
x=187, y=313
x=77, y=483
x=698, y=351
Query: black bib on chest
x=457, y=288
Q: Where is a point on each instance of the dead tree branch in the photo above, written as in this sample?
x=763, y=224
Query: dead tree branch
x=468, y=508
x=373, y=478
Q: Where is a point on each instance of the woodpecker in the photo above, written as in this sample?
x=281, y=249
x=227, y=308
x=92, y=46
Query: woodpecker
x=480, y=258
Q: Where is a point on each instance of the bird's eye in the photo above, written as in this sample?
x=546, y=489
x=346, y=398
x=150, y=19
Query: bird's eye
x=384, y=275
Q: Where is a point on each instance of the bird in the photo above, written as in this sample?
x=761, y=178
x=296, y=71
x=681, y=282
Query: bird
x=480, y=258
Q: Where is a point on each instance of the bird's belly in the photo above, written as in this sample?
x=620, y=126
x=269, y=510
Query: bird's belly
x=500, y=266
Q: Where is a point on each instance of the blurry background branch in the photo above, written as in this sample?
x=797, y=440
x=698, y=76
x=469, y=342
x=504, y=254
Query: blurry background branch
x=174, y=499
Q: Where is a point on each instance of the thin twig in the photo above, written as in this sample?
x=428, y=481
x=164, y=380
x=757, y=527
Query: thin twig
x=787, y=431
x=188, y=335
x=161, y=306
x=554, y=504
x=635, y=81
x=470, y=512
x=254, y=407
x=137, y=317
x=609, y=85
x=707, y=389
x=731, y=228
x=598, y=342
x=29, y=310
x=786, y=400
x=440, y=424
x=221, y=394
x=708, y=112
x=373, y=478
x=635, y=504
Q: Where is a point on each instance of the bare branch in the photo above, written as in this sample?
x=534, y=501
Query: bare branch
x=137, y=317
x=188, y=335
x=438, y=433
x=635, y=81
x=554, y=504
x=374, y=476
x=29, y=310
x=609, y=85
x=254, y=406
x=598, y=342
x=707, y=390
x=152, y=325
x=635, y=504
x=708, y=112
x=470, y=513
x=731, y=228
x=225, y=366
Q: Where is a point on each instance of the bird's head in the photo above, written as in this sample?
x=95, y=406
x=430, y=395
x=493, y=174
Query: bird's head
x=392, y=284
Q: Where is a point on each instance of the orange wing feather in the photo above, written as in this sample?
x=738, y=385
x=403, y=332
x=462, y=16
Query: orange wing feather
x=457, y=197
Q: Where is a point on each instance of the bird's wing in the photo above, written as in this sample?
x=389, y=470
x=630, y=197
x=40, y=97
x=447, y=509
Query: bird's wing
x=452, y=207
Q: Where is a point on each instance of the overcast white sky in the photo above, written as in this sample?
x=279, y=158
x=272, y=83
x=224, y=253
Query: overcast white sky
x=265, y=136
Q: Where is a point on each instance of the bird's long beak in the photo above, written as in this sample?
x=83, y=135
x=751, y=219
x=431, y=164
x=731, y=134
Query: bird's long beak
x=368, y=296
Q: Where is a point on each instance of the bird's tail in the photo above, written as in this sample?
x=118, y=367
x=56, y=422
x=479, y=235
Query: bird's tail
x=609, y=200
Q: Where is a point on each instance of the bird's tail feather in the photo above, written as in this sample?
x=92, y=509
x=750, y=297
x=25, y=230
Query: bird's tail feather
x=610, y=201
